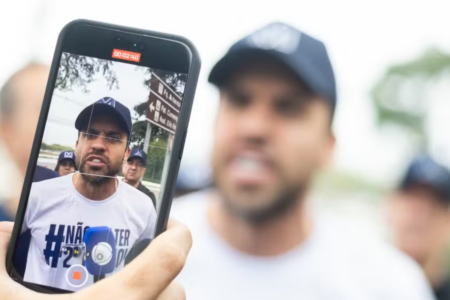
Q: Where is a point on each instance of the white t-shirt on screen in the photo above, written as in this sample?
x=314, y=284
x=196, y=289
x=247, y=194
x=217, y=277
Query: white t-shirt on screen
x=330, y=265
x=58, y=216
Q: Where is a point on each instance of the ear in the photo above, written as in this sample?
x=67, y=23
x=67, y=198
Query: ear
x=330, y=145
x=127, y=152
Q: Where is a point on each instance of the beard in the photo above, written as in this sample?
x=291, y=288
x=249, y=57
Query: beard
x=286, y=198
x=95, y=176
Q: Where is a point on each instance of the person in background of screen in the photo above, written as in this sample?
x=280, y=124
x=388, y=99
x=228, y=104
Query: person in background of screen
x=20, y=104
x=254, y=235
x=133, y=170
x=66, y=163
x=419, y=215
x=42, y=173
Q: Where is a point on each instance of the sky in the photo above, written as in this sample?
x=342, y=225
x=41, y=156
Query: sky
x=66, y=105
x=363, y=39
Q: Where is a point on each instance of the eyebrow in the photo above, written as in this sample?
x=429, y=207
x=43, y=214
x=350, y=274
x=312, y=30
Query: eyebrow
x=111, y=132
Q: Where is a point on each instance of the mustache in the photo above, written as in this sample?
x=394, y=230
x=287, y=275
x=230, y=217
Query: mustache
x=96, y=153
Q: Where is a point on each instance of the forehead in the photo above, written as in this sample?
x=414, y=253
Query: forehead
x=135, y=160
x=103, y=122
x=422, y=193
x=269, y=73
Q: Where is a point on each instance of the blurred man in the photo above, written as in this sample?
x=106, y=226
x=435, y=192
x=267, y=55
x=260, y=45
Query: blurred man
x=20, y=105
x=420, y=219
x=254, y=238
x=134, y=169
x=66, y=163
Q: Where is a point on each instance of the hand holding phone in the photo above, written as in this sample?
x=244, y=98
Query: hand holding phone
x=134, y=282
x=113, y=124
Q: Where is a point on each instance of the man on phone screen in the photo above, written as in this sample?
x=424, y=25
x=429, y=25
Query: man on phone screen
x=254, y=235
x=66, y=163
x=134, y=169
x=83, y=224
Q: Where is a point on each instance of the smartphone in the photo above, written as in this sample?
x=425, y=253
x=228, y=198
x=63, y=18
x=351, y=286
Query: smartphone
x=105, y=156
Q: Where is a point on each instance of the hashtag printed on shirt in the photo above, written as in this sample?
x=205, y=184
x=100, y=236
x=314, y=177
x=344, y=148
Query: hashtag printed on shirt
x=58, y=218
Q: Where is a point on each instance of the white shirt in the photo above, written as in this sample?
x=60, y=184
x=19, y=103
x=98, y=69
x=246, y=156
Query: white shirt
x=55, y=205
x=329, y=265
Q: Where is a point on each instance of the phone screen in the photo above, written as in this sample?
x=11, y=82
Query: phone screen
x=102, y=165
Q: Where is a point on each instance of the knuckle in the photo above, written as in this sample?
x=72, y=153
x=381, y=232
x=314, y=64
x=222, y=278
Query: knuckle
x=172, y=259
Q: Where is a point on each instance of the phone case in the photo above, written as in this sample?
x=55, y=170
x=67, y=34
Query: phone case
x=175, y=158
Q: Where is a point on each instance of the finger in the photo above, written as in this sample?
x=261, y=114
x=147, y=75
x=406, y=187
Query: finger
x=173, y=292
x=147, y=276
x=6, y=227
x=5, y=236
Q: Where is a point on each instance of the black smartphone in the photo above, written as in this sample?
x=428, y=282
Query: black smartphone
x=105, y=156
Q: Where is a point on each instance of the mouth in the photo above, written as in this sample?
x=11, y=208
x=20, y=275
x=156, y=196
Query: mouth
x=250, y=169
x=96, y=161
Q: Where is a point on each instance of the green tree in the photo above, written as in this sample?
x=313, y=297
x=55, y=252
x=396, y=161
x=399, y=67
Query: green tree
x=79, y=71
x=401, y=96
x=55, y=147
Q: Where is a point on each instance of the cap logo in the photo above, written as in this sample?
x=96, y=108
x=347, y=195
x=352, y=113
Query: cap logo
x=108, y=101
x=68, y=155
x=280, y=37
x=138, y=153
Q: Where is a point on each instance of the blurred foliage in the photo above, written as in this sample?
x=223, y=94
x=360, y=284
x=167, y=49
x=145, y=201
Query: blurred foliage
x=56, y=147
x=79, y=71
x=342, y=182
x=400, y=96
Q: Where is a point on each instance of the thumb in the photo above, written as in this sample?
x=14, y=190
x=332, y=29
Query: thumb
x=5, y=235
x=147, y=276
x=10, y=289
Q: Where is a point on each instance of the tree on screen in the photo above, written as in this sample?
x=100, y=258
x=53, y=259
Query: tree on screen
x=79, y=71
x=402, y=96
x=176, y=81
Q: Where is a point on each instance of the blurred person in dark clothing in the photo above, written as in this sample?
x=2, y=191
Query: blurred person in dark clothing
x=41, y=173
x=134, y=169
x=66, y=163
x=20, y=104
x=420, y=218
x=254, y=235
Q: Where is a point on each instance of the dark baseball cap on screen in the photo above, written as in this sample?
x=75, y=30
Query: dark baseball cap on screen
x=138, y=153
x=66, y=155
x=306, y=56
x=109, y=106
x=425, y=170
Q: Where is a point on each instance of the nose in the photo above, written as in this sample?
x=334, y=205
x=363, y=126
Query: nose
x=256, y=122
x=99, y=144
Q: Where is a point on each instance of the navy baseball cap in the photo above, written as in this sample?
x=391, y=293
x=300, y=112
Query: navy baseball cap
x=66, y=155
x=306, y=56
x=139, y=153
x=425, y=170
x=106, y=105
